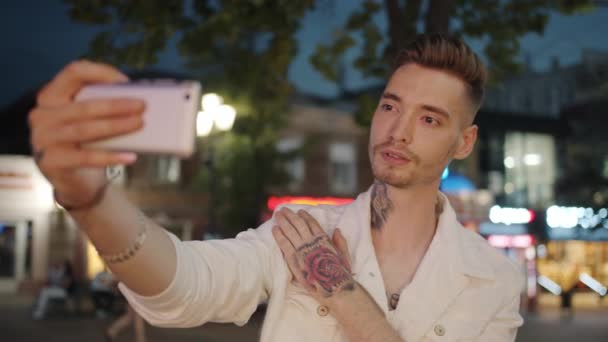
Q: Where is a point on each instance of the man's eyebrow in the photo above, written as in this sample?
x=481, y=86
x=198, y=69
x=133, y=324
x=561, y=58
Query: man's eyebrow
x=391, y=96
x=436, y=110
x=430, y=108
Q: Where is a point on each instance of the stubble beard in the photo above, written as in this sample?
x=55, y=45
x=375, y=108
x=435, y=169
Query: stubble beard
x=395, y=177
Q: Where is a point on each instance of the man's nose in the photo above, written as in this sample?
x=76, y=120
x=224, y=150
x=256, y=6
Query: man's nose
x=403, y=129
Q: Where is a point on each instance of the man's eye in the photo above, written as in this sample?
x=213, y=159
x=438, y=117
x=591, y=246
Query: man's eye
x=430, y=120
x=386, y=107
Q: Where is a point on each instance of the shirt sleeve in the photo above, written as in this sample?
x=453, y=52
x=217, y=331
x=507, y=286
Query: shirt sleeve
x=215, y=281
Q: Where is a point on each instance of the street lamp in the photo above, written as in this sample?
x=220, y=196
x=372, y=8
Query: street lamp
x=214, y=114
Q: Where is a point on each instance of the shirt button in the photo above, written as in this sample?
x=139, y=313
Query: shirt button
x=439, y=330
x=371, y=274
x=322, y=310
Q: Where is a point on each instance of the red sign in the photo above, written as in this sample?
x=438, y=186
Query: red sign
x=274, y=202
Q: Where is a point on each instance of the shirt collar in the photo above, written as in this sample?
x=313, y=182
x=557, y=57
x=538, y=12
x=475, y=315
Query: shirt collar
x=450, y=240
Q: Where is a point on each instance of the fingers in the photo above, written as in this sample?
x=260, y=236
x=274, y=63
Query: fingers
x=285, y=245
x=298, y=222
x=83, y=132
x=85, y=110
x=290, y=232
x=340, y=242
x=68, y=82
x=68, y=157
x=289, y=254
x=311, y=222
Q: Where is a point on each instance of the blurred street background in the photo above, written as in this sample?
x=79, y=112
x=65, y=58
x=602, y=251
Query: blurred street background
x=299, y=81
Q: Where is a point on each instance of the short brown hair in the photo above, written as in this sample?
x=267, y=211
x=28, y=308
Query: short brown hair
x=449, y=54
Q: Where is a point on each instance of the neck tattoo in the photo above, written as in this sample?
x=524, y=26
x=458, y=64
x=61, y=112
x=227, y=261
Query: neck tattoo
x=381, y=205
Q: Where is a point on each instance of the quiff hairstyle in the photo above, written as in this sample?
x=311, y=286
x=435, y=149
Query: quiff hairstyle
x=448, y=54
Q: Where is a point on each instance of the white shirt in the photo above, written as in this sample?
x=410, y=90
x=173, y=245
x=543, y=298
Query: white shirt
x=464, y=289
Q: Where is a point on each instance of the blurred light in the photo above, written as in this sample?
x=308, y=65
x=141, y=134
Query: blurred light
x=484, y=197
x=445, y=174
x=541, y=251
x=204, y=123
x=523, y=241
x=274, y=202
x=532, y=159
x=511, y=215
x=516, y=241
x=509, y=188
x=593, y=284
x=530, y=253
x=457, y=184
x=500, y=241
x=531, y=286
x=550, y=285
x=562, y=217
x=598, y=198
x=509, y=162
x=224, y=117
x=570, y=217
x=211, y=101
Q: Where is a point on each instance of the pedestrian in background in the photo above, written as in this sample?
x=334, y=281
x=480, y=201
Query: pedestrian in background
x=60, y=285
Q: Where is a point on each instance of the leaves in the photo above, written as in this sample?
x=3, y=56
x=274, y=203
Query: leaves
x=239, y=49
x=499, y=24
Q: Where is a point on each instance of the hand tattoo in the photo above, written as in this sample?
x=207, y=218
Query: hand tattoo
x=381, y=205
x=321, y=265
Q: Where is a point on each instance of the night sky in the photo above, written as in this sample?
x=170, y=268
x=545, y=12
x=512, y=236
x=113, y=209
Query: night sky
x=38, y=39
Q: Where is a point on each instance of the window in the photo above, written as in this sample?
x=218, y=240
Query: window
x=7, y=250
x=342, y=168
x=295, y=166
x=167, y=169
x=530, y=169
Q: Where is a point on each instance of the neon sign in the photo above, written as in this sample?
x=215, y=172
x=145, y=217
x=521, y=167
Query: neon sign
x=274, y=202
x=504, y=241
x=571, y=217
x=510, y=216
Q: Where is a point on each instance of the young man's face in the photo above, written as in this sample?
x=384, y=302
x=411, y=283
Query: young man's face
x=422, y=122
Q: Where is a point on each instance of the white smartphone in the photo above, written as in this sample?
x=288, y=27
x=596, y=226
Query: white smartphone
x=169, y=117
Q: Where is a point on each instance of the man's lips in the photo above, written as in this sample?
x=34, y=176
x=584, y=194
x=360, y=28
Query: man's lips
x=394, y=157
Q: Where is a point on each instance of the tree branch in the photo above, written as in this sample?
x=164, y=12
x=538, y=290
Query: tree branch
x=438, y=16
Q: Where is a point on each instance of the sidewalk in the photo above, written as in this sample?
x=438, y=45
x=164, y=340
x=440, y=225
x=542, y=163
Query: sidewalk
x=16, y=325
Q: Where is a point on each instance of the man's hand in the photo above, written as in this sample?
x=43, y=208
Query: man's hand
x=323, y=268
x=319, y=264
x=60, y=126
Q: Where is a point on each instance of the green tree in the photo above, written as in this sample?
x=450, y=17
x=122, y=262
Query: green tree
x=239, y=49
x=497, y=24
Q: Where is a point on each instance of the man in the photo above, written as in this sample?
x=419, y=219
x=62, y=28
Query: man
x=399, y=268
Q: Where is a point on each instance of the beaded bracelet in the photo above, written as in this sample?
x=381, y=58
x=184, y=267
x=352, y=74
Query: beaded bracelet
x=130, y=251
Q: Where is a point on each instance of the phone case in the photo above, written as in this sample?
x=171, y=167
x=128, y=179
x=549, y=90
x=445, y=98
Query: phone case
x=169, y=117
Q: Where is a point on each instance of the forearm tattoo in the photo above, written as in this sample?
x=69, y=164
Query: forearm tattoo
x=322, y=265
x=381, y=205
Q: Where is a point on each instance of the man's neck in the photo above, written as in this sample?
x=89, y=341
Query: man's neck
x=403, y=219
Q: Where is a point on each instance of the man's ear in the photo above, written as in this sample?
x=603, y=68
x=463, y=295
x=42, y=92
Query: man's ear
x=466, y=142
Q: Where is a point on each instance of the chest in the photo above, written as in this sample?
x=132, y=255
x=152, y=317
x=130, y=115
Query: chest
x=303, y=319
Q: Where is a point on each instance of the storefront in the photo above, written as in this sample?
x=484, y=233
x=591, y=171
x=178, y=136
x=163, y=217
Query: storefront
x=26, y=213
x=575, y=257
